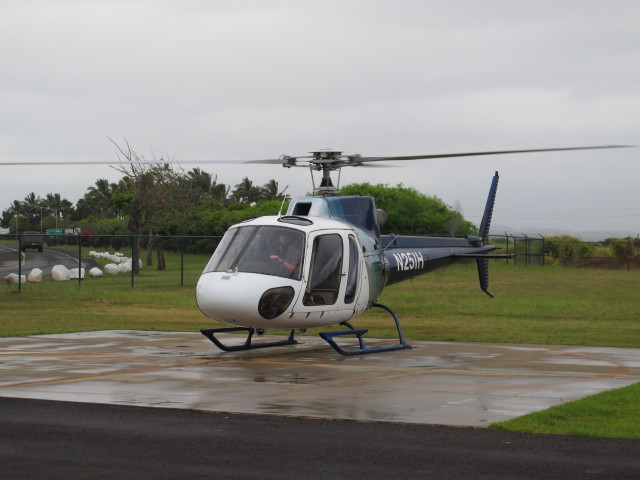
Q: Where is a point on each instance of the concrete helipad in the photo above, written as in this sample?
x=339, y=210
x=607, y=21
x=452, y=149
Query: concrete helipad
x=448, y=383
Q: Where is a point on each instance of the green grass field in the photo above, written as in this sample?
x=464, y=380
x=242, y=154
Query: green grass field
x=532, y=305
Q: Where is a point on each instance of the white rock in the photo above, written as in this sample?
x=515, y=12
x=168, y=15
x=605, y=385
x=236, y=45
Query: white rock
x=35, y=276
x=60, y=273
x=73, y=273
x=12, y=279
x=118, y=260
x=95, y=272
x=112, y=269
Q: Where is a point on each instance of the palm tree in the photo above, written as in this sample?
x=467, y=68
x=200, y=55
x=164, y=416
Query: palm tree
x=200, y=180
x=270, y=190
x=99, y=197
x=220, y=193
x=246, y=192
x=15, y=207
x=11, y=217
x=58, y=206
x=32, y=199
x=31, y=210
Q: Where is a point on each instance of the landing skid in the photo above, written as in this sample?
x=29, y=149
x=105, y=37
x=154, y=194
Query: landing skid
x=210, y=334
x=328, y=337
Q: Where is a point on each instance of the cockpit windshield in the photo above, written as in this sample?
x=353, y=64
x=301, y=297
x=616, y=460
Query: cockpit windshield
x=259, y=249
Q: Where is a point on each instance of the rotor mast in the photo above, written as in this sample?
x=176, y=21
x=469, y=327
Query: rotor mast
x=325, y=161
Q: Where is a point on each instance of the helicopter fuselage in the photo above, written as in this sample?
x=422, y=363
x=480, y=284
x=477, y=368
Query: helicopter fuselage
x=322, y=264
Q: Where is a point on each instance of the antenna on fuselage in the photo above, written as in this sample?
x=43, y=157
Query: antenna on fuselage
x=284, y=199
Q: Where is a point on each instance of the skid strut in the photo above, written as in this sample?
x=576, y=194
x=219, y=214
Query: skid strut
x=363, y=349
x=247, y=345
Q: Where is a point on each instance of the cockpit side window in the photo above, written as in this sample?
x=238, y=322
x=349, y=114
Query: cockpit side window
x=260, y=249
x=326, y=271
x=352, y=279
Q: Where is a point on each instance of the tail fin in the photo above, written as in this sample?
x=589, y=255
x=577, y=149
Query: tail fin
x=483, y=263
x=488, y=210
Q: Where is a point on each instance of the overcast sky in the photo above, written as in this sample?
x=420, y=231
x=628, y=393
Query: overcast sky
x=236, y=80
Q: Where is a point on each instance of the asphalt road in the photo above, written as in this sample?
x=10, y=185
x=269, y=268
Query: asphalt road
x=44, y=260
x=46, y=439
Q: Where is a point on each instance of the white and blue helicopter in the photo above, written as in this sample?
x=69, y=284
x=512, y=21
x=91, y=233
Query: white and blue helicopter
x=325, y=262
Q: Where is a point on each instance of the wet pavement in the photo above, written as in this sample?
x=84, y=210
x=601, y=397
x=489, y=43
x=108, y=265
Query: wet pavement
x=445, y=383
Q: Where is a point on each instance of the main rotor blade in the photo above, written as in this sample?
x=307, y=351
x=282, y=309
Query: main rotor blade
x=154, y=162
x=473, y=154
x=282, y=161
x=56, y=163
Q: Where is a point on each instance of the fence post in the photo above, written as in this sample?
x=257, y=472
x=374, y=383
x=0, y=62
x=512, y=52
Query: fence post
x=182, y=261
x=506, y=239
x=79, y=260
x=132, y=259
x=19, y=262
x=515, y=253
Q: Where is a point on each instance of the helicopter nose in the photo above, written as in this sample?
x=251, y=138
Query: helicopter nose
x=244, y=299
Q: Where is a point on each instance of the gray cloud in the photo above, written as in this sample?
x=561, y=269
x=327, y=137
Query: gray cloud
x=253, y=79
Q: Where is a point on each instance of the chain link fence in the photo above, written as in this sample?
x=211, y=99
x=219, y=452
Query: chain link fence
x=528, y=249
x=30, y=257
x=161, y=260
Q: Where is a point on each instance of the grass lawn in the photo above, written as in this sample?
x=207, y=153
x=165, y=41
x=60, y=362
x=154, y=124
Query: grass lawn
x=614, y=414
x=544, y=305
x=532, y=305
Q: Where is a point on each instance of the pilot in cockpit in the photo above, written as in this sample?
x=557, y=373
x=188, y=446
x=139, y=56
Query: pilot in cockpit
x=286, y=253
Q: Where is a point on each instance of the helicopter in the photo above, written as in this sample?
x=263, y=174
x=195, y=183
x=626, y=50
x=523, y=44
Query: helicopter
x=324, y=261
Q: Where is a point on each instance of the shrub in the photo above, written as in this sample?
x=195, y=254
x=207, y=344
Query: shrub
x=566, y=249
